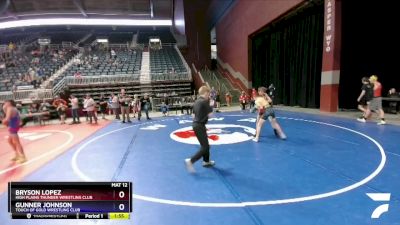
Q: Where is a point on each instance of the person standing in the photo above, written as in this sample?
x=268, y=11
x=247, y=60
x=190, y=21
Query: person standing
x=186, y=104
x=74, y=108
x=164, y=109
x=253, y=100
x=393, y=104
x=202, y=110
x=103, y=106
x=166, y=105
x=62, y=111
x=271, y=91
x=13, y=120
x=218, y=100
x=145, y=105
x=228, y=99
x=115, y=106
x=90, y=106
x=109, y=105
x=135, y=105
x=60, y=105
x=213, y=93
x=44, y=109
x=243, y=100
x=124, y=101
x=365, y=98
x=113, y=55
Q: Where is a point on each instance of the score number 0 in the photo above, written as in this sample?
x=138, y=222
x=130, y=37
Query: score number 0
x=121, y=195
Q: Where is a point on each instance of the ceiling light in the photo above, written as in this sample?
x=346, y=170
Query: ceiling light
x=83, y=21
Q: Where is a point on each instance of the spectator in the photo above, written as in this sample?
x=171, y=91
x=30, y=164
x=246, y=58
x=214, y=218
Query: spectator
x=59, y=104
x=124, y=101
x=20, y=77
x=253, y=100
x=190, y=101
x=109, y=103
x=243, y=100
x=103, y=106
x=136, y=105
x=84, y=110
x=271, y=92
x=392, y=93
x=393, y=104
x=213, y=94
x=44, y=107
x=115, y=106
x=145, y=105
x=166, y=101
x=78, y=75
x=31, y=114
x=31, y=76
x=164, y=109
x=11, y=47
x=90, y=106
x=186, y=103
x=40, y=72
x=27, y=78
x=218, y=99
x=228, y=99
x=2, y=67
x=62, y=111
x=113, y=54
x=74, y=109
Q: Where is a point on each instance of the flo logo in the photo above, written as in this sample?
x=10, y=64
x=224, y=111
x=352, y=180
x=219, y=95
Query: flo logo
x=379, y=197
x=218, y=134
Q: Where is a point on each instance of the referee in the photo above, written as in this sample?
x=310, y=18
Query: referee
x=201, y=111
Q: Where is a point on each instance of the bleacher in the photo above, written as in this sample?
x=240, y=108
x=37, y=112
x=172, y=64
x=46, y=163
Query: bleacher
x=98, y=71
x=48, y=61
x=99, y=62
x=165, y=60
x=156, y=90
x=163, y=80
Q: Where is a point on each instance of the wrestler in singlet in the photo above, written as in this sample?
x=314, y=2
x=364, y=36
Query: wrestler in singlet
x=14, y=122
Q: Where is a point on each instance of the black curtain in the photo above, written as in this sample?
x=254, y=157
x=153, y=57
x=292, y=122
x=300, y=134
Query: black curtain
x=369, y=47
x=288, y=54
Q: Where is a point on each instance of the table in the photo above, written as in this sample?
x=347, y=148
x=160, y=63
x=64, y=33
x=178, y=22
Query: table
x=393, y=103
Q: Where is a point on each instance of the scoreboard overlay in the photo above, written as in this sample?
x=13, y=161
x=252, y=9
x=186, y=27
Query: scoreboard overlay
x=70, y=200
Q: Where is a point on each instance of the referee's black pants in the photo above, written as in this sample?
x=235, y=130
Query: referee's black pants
x=201, y=134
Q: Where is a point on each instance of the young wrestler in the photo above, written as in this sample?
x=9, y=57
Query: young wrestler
x=266, y=112
x=12, y=120
x=365, y=98
x=376, y=102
